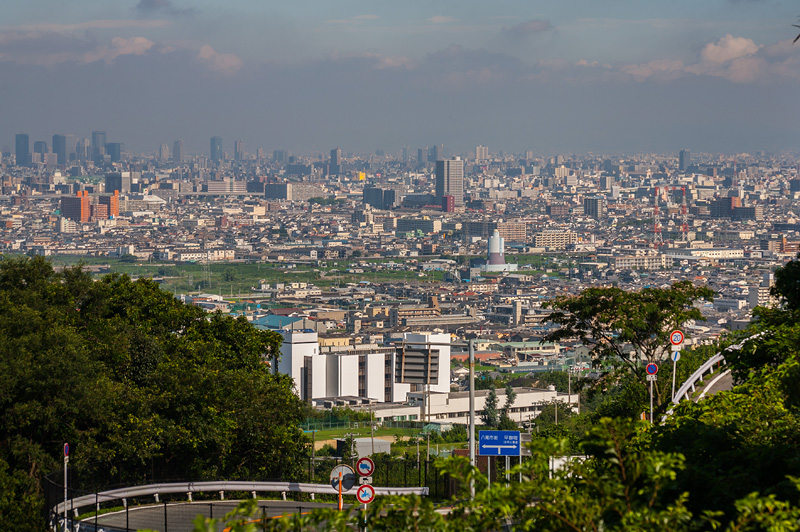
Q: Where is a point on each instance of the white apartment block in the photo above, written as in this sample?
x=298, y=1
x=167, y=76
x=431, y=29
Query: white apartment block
x=364, y=371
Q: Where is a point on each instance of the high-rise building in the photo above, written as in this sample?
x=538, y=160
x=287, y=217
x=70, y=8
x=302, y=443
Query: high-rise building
x=594, y=207
x=481, y=153
x=280, y=156
x=98, y=146
x=177, y=151
x=23, y=149
x=450, y=179
x=40, y=147
x=436, y=153
x=216, y=149
x=422, y=156
x=336, y=162
x=163, y=152
x=119, y=182
x=76, y=208
x=114, y=151
x=112, y=202
x=684, y=160
x=60, y=148
x=238, y=150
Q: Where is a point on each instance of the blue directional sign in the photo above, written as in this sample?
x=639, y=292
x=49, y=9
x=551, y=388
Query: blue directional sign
x=499, y=443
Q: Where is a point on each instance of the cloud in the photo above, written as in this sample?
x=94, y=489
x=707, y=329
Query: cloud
x=441, y=19
x=227, y=64
x=118, y=47
x=661, y=69
x=728, y=48
x=88, y=25
x=148, y=7
x=529, y=27
x=737, y=59
x=366, y=17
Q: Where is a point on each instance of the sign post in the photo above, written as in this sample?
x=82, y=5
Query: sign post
x=676, y=339
x=652, y=370
x=343, y=478
x=499, y=443
x=366, y=493
x=66, y=495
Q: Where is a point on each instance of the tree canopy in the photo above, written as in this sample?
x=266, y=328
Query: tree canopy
x=135, y=381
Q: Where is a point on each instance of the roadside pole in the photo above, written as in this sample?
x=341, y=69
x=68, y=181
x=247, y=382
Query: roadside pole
x=66, y=495
x=651, y=369
x=676, y=338
x=472, y=413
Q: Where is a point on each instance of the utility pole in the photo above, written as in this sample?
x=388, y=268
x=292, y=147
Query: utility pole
x=472, y=412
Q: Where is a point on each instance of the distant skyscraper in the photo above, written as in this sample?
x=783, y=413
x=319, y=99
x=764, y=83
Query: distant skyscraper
x=23, y=149
x=684, y=160
x=216, y=149
x=238, y=150
x=60, y=148
x=481, y=153
x=114, y=151
x=163, y=152
x=422, y=156
x=436, y=153
x=594, y=207
x=405, y=154
x=40, y=147
x=177, y=151
x=336, y=161
x=280, y=156
x=450, y=179
x=98, y=145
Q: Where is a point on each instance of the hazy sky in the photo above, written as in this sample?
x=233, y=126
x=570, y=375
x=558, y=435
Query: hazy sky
x=307, y=75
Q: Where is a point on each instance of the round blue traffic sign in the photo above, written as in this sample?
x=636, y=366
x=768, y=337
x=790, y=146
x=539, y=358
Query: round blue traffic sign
x=651, y=368
x=66, y=450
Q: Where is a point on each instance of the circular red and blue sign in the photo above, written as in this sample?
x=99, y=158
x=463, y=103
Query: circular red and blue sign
x=651, y=368
x=365, y=494
x=676, y=337
x=66, y=450
x=365, y=466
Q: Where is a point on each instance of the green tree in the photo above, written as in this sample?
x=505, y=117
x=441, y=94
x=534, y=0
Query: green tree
x=135, y=381
x=490, y=415
x=628, y=328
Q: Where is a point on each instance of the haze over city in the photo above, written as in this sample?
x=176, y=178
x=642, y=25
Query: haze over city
x=623, y=76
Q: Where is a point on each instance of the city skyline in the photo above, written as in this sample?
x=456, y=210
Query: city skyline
x=595, y=76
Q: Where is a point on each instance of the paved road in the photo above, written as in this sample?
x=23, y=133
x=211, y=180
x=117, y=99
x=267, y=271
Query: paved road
x=718, y=382
x=178, y=517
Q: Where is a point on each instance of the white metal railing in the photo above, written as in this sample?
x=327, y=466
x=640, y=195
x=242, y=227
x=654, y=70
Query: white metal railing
x=689, y=387
x=155, y=490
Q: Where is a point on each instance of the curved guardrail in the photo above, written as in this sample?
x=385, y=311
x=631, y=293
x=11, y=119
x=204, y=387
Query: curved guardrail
x=154, y=490
x=689, y=387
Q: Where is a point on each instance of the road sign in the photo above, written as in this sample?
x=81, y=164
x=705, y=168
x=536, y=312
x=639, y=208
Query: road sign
x=499, y=443
x=365, y=494
x=66, y=450
x=364, y=480
x=365, y=466
x=676, y=355
x=651, y=368
x=651, y=378
x=676, y=337
x=348, y=477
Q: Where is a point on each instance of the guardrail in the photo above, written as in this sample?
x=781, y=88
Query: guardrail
x=689, y=387
x=217, y=486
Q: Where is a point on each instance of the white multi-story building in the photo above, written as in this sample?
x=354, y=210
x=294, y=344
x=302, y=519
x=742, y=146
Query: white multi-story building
x=365, y=371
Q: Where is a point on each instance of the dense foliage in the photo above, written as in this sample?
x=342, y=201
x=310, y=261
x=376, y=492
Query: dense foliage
x=136, y=382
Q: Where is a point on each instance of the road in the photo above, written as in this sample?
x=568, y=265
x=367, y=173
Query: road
x=178, y=517
x=718, y=382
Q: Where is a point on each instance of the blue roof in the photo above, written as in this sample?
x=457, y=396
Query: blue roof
x=273, y=323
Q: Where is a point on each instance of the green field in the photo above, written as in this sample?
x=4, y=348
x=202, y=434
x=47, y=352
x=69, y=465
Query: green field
x=237, y=279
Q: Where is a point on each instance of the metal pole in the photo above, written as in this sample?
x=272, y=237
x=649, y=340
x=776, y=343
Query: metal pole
x=340, y=491
x=508, y=466
x=651, y=402
x=66, y=495
x=472, y=412
x=674, y=370
x=371, y=433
